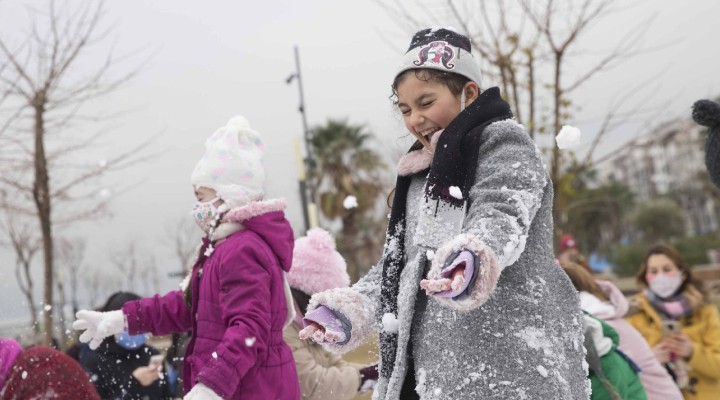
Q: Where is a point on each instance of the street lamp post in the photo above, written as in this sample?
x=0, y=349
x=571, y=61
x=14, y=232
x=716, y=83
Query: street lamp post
x=306, y=187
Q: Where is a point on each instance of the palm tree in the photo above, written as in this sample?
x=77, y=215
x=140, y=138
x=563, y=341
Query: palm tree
x=348, y=166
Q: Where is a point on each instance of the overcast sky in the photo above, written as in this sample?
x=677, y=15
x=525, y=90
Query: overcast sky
x=212, y=60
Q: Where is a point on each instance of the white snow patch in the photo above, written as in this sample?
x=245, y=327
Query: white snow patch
x=390, y=323
x=516, y=165
x=250, y=342
x=47, y=307
x=430, y=255
x=214, y=354
x=542, y=371
x=568, y=137
x=456, y=192
x=350, y=202
x=422, y=375
x=437, y=391
x=24, y=374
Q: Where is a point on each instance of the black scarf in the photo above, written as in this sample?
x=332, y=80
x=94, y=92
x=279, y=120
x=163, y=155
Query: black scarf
x=454, y=164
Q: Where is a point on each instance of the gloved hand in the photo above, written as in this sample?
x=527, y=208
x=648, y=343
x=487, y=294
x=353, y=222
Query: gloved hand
x=454, y=278
x=325, y=326
x=201, y=392
x=98, y=325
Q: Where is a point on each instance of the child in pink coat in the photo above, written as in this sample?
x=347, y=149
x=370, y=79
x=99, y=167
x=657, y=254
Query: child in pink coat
x=235, y=300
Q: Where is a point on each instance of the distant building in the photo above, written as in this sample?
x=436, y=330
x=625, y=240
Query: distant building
x=669, y=161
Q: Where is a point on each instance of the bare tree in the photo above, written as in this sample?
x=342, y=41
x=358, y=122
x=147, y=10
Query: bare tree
x=45, y=82
x=25, y=243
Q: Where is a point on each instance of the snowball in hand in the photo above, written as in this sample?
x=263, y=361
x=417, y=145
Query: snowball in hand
x=350, y=202
x=568, y=137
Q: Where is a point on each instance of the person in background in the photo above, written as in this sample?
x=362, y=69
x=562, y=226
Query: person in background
x=604, y=301
x=41, y=373
x=317, y=266
x=683, y=329
x=569, y=252
x=612, y=375
x=707, y=113
x=120, y=367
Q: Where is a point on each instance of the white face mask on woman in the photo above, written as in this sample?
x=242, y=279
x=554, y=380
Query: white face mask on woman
x=665, y=285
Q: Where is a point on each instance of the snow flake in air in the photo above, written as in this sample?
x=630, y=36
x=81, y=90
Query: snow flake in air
x=350, y=202
x=249, y=342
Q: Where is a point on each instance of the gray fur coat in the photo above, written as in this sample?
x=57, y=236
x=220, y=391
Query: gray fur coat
x=520, y=333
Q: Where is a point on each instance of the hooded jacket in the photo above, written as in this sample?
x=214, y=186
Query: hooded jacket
x=519, y=334
x=658, y=383
x=614, y=368
x=237, y=312
x=703, y=329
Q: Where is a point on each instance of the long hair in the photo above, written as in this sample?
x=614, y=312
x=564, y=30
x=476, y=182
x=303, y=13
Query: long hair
x=583, y=280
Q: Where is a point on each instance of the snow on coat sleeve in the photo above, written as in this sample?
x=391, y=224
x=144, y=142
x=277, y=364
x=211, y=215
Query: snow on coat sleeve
x=508, y=190
x=159, y=315
x=244, y=281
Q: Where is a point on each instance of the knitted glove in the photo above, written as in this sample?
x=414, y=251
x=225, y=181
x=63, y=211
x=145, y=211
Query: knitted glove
x=201, y=392
x=335, y=327
x=98, y=325
x=445, y=285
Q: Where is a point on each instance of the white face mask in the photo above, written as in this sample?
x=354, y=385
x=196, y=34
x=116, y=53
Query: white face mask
x=666, y=285
x=206, y=215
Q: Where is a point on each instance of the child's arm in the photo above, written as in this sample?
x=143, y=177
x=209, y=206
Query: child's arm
x=508, y=190
x=159, y=315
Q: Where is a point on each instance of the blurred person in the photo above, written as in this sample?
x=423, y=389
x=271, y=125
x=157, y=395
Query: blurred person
x=41, y=373
x=120, y=367
x=604, y=301
x=317, y=266
x=707, y=113
x=569, y=252
x=682, y=328
x=235, y=301
x=612, y=375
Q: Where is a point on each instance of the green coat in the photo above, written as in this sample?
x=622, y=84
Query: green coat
x=617, y=371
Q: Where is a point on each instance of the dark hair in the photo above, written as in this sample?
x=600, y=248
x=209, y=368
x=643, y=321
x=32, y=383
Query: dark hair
x=118, y=299
x=454, y=82
x=689, y=280
x=301, y=298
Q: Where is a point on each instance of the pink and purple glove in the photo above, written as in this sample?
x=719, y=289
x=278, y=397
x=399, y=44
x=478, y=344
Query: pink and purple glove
x=454, y=280
x=323, y=325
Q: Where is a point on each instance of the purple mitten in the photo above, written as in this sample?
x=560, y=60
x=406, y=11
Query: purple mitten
x=330, y=320
x=462, y=257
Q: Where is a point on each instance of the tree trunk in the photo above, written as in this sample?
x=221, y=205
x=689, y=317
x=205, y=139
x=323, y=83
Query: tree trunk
x=555, y=165
x=41, y=195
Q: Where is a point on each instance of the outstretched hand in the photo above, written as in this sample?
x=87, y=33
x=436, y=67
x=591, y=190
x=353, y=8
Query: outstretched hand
x=320, y=334
x=433, y=286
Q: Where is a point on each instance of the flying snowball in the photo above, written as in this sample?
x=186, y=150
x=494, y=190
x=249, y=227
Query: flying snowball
x=350, y=202
x=568, y=137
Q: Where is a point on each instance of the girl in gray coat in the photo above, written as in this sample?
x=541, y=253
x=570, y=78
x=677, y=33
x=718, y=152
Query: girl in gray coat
x=467, y=297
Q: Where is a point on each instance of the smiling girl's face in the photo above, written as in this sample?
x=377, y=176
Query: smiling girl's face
x=428, y=106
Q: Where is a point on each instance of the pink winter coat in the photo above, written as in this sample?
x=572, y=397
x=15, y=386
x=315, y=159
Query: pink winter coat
x=237, y=314
x=658, y=383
